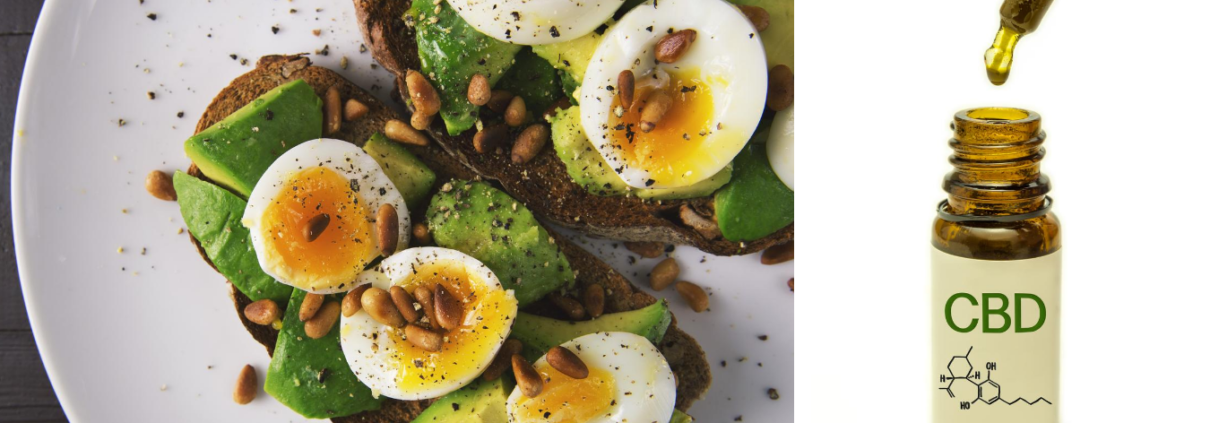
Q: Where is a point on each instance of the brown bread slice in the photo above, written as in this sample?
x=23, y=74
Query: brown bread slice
x=543, y=184
x=685, y=356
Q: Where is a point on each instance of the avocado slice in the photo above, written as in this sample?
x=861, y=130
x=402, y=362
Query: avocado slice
x=479, y=402
x=451, y=51
x=213, y=215
x=535, y=80
x=410, y=176
x=538, y=334
x=679, y=417
x=587, y=168
x=754, y=183
x=487, y=224
x=310, y=375
x=236, y=151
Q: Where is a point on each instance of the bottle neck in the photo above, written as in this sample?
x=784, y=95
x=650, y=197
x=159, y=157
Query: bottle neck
x=997, y=163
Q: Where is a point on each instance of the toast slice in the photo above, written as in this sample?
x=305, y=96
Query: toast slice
x=543, y=184
x=683, y=353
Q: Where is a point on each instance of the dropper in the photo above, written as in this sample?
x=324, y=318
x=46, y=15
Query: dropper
x=1017, y=18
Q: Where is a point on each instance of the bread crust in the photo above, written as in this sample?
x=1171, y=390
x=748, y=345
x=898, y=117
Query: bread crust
x=684, y=355
x=543, y=183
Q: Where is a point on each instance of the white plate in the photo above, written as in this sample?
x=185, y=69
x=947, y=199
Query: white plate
x=152, y=336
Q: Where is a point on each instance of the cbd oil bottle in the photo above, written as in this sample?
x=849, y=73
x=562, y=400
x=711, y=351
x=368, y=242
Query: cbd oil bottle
x=996, y=275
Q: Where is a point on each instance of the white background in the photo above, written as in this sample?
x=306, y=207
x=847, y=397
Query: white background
x=1121, y=88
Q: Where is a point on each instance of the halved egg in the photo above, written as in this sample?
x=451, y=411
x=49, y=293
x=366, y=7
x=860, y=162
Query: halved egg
x=781, y=146
x=628, y=381
x=717, y=87
x=531, y=22
x=318, y=178
x=385, y=361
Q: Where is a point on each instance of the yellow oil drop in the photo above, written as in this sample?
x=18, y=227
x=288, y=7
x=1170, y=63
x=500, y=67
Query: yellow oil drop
x=1017, y=18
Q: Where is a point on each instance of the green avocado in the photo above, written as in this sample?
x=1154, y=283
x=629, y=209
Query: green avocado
x=451, y=51
x=487, y=224
x=679, y=417
x=535, y=80
x=571, y=59
x=236, y=151
x=586, y=166
x=538, y=334
x=479, y=402
x=410, y=176
x=756, y=203
x=310, y=375
x=213, y=215
x=778, y=38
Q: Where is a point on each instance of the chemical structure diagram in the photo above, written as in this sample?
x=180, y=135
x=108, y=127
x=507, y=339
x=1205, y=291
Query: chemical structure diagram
x=963, y=381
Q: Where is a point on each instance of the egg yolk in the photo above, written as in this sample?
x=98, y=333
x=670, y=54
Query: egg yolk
x=567, y=400
x=487, y=317
x=340, y=252
x=672, y=151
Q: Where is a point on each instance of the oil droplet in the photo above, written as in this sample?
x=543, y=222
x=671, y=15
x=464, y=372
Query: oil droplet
x=999, y=58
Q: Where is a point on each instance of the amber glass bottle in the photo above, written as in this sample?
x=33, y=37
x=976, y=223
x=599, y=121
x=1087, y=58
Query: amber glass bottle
x=996, y=275
x=1017, y=18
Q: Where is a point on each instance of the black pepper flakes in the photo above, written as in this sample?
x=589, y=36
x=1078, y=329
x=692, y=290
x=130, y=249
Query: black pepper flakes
x=180, y=114
x=152, y=16
x=773, y=395
x=763, y=337
x=554, y=32
x=275, y=29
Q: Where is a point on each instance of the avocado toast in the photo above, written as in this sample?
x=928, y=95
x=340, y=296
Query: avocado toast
x=569, y=184
x=304, y=387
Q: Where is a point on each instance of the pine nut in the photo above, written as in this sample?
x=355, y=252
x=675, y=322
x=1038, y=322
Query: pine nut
x=424, y=97
x=399, y=131
x=757, y=15
x=351, y=303
x=424, y=296
x=569, y=305
x=310, y=305
x=322, y=323
x=263, y=312
x=447, y=308
x=791, y=284
x=626, y=88
x=315, y=227
x=671, y=47
x=246, y=386
x=781, y=88
x=594, y=300
x=490, y=138
x=499, y=101
x=420, y=234
x=423, y=338
x=421, y=122
x=355, y=110
x=388, y=229
x=657, y=105
x=566, y=362
x=530, y=143
x=405, y=303
x=664, y=274
x=503, y=359
x=645, y=249
x=527, y=377
x=331, y=111
x=380, y=306
x=776, y=254
x=480, y=91
x=694, y=295
x=514, y=115
x=159, y=185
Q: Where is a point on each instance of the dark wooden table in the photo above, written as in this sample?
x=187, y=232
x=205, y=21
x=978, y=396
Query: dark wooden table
x=25, y=392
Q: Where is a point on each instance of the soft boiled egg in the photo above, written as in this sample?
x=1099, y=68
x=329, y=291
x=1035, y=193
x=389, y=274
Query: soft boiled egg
x=781, y=146
x=532, y=22
x=384, y=360
x=628, y=381
x=717, y=88
x=316, y=178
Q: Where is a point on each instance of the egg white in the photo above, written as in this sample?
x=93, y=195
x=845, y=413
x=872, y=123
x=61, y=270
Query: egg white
x=358, y=333
x=344, y=158
x=729, y=55
x=781, y=146
x=532, y=22
x=644, y=386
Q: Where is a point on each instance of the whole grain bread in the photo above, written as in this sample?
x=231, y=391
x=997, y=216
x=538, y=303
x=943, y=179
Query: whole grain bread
x=543, y=184
x=683, y=353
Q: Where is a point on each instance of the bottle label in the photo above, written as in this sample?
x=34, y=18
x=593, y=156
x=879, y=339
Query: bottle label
x=995, y=339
